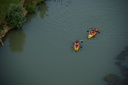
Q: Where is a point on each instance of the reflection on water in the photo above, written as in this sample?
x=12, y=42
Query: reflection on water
x=30, y=17
x=55, y=0
x=68, y=2
x=43, y=10
x=123, y=65
x=16, y=40
x=65, y=3
x=123, y=54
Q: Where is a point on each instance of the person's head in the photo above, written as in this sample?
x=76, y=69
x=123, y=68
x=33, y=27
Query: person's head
x=77, y=41
x=95, y=29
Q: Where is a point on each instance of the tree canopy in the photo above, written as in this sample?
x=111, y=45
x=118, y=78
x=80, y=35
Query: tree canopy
x=15, y=16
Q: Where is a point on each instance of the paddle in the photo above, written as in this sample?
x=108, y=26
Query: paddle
x=97, y=31
x=81, y=41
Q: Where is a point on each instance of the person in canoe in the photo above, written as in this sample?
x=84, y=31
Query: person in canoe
x=93, y=33
x=76, y=45
x=95, y=29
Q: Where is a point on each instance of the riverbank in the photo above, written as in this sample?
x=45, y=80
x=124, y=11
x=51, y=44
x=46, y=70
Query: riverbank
x=27, y=4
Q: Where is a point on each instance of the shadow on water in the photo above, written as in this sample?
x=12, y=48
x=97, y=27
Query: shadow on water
x=16, y=40
x=122, y=62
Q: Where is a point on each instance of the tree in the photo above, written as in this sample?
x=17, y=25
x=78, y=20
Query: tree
x=30, y=5
x=15, y=16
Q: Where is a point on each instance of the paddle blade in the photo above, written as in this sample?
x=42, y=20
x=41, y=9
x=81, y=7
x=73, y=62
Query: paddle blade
x=87, y=31
x=98, y=32
x=81, y=41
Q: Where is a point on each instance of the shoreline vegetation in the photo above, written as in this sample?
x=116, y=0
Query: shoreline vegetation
x=13, y=14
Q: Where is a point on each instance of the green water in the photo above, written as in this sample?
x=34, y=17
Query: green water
x=41, y=53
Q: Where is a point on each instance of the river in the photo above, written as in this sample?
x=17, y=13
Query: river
x=41, y=52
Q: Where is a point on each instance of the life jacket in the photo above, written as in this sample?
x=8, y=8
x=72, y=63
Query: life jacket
x=95, y=29
x=93, y=32
x=76, y=45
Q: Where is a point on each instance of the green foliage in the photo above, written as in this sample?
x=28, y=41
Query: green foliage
x=16, y=16
x=30, y=5
x=4, y=5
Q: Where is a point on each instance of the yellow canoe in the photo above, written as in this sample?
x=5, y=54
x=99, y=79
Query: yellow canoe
x=76, y=46
x=90, y=35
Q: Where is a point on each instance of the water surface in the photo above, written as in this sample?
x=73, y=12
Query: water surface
x=41, y=53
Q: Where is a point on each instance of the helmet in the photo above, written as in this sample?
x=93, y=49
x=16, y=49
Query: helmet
x=95, y=29
x=77, y=41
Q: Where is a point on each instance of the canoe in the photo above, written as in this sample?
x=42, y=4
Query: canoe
x=76, y=46
x=90, y=35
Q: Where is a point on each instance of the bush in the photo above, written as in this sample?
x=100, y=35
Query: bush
x=30, y=5
x=15, y=16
